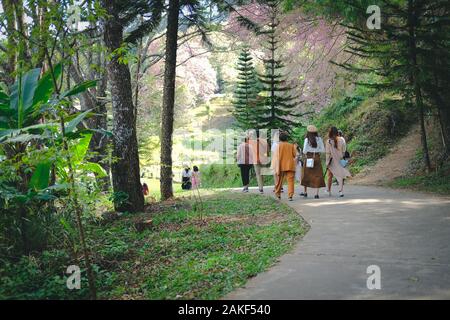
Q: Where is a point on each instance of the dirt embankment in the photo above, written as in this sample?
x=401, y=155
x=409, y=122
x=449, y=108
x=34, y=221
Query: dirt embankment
x=394, y=164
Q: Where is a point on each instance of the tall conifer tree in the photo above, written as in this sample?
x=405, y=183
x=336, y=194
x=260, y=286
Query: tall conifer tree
x=246, y=91
x=277, y=110
x=410, y=53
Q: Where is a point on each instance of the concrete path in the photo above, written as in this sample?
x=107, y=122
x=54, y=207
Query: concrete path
x=406, y=234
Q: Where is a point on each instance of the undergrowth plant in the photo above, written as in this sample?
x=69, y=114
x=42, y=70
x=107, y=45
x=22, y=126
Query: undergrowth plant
x=44, y=147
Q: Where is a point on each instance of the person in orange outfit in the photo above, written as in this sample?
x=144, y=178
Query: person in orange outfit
x=286, y=154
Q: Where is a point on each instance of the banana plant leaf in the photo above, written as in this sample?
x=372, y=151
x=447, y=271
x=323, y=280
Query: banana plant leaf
x=94, y=168
x=23, y=138
x=22, y=94
x=40, y=178
x=22, y=107
x=4, y=98
x=45, y=86
x=58, y=187
x=3, y=123
x=72, y=124
x=102, y=131
x=79, y=150
x=37, y=129
x=5, y=111
x=79, y=88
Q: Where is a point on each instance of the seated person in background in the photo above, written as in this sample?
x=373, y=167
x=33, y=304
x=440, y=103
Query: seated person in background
x=145, y=190
x=186, y=179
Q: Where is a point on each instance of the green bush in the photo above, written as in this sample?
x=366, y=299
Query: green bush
x=437, y=182
x=43, y=276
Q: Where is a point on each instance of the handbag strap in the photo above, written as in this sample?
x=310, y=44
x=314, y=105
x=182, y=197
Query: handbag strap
x=314, y=155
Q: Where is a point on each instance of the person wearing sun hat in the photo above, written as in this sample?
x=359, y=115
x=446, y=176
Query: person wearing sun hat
x=312, y=174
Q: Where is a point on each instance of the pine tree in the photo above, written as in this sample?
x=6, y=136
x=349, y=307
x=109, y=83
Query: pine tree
x=246, y=92
x=410, y=53
x=277, y=109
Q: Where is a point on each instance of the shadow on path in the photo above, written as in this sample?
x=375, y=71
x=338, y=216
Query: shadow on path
x=406, y=234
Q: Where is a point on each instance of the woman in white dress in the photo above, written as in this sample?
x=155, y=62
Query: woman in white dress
x=335, y=149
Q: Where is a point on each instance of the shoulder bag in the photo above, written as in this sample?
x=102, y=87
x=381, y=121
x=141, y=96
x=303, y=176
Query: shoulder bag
x=310, y=161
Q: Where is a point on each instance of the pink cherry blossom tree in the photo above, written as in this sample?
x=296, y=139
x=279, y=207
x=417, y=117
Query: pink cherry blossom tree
x=308, y=46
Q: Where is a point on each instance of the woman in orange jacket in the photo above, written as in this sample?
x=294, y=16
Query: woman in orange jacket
x=286, y=153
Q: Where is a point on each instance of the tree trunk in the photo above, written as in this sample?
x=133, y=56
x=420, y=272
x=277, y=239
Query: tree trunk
x=140, y=54
x=169, y=100
x=99, y=144
x=125, y=166
x=412, y=21
x=443, y=109
x=41, y=23
x=23, y=50
x=423, y=132
x=11, y=45
x=100, y=141
x=444, y=121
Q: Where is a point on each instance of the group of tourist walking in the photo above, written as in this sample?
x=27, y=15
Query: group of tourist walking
x=291, y=163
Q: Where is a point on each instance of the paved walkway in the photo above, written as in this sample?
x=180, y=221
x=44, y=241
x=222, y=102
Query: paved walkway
x=406, y=234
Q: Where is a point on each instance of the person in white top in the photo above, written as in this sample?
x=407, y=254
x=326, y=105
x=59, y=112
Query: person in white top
x=335, y=150
x=186, y=178
x=319, y=148
x=312, y=175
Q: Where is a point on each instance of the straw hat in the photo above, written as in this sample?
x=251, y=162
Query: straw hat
x=311, y=128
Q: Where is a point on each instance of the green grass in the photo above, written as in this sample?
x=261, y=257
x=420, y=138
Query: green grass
x=154, y=190
x=436, y=182
x=178, y=258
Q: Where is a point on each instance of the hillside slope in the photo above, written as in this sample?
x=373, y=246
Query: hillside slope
x=394, y=164
x=372, y=123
